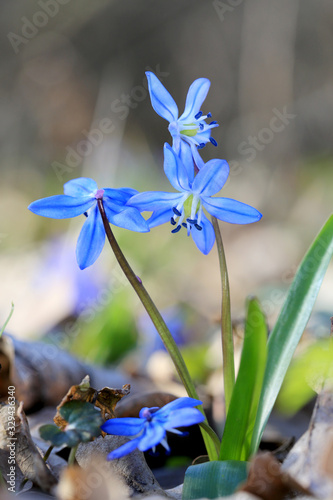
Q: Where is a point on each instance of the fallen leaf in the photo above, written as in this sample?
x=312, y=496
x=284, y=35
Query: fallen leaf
x=104, y=399
x=25, y=452
x=266, y=480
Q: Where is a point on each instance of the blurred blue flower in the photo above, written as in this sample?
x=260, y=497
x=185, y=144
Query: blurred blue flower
x=190, y=131
x=81, y=197
x=187, y=205
x=150, y=428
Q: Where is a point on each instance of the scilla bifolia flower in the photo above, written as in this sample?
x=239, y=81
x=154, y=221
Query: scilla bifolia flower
x=81, y=197
x=185, y=208
x=190, y=131
x=150, y=428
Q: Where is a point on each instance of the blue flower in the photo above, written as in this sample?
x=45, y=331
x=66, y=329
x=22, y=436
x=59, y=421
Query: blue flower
x=81, y=197
x=190, y=131
x=185, y=208
x=150, y=428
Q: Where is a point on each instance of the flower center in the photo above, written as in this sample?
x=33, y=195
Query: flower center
x=99, y=194
x=190, y=210
x=146, y=414
x=189, y=132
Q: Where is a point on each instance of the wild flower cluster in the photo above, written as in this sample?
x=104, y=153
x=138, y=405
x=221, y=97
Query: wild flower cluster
x=195, y=183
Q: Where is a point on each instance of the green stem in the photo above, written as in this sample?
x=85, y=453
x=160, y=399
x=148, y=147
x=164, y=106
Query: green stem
x=226, y=327
x=71, y=458
x=48, y=452
x=7, y=320
x=160, y=326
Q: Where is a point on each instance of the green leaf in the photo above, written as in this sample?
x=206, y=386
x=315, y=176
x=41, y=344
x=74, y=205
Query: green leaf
x=291, y=323
x=84, y=423
x=245, y=396
x=213, y=479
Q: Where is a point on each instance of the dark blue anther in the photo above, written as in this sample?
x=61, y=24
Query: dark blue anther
x=209, y=115
x=178, y=228
x=213, y=122
x=192, y=221
x=86, y=214
x=176, y=212
x=199, y=228
x=201, y=126
x=173, y=222
x=198, y=115
x=201, y=145
x=213, y=141
x=184, y=224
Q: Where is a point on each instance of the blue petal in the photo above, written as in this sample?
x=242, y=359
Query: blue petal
x=195, y=97
x=127, y=426
x=160, y=217
x=186, y=156
x=177, y=404
x=205, y=238
x=211, y=178
x=183, y=418
x=125, y=449
x=162, y=102
x=120, y=195
x=196, y=156
x=128, y=218
x=153, y=435
x=231, y=211
x=61, y=206
x=91, y=239
x=175, y=170
x=154, y=200
x=83, y=186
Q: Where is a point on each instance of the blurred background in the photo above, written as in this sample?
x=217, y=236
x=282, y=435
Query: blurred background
x=74, y=102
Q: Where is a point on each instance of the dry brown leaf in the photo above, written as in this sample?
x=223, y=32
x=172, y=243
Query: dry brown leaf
x=26, y=454
x=105, y=399
x=306, y=460
x=266, y=480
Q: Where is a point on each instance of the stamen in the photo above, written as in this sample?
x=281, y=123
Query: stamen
x=176, y=212
x=209, y=115
x=201, y=126
x=213, y=141
x=213, y=122
x=201, y=145
x=178, y=228
x=192, y=221
x=173, y=222
x=198, y=115
x=184, y=224
x=86, y=214
x=199, y=228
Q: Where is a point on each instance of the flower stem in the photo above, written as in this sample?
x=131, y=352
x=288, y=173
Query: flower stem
x=159, y=324
x=72, y=453
x=48, y=452
x=226, y=327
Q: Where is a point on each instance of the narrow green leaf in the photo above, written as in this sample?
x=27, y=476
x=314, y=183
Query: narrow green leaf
x=291, y=323
x=245, y=397
x=213, y=479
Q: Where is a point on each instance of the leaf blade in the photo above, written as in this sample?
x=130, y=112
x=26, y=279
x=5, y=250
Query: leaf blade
x=291, y=323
